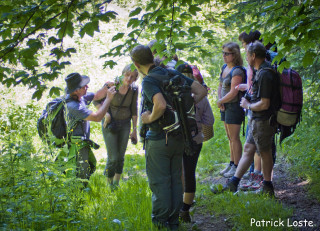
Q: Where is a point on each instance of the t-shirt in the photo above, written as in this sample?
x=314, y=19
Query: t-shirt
x=263, y=86
x=150, y=87
x=78, y=111
x=226, y=83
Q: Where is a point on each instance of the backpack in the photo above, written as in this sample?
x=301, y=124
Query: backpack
x=52, y=126
x=179, y=115
x=290, y=101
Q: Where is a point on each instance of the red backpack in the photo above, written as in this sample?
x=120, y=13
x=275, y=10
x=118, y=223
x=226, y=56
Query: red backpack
x=291, y=98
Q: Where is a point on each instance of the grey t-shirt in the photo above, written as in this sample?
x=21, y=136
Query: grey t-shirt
x=226, y=83
x=78, y=111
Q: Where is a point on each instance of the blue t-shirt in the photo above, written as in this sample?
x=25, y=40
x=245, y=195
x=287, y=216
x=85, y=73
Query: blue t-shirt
x=78, y=111
x=150, y=87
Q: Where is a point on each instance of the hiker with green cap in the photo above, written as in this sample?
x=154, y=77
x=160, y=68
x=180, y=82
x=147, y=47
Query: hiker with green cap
x=78, y=117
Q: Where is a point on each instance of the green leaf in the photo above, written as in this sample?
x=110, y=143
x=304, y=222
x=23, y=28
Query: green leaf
x=133, y=33
x=55, y=91
x=135, y=12
x=308, y=58
x=89, y=28
x=53, y=40
x=37, y=94
x=109, y=63
x=161, y=35
x=69, y=29
x=83, y=16
x=208, y=34
x=195, y=29
x=134, y=22
x=193, y=9
x=34, y=44
x=152, y=5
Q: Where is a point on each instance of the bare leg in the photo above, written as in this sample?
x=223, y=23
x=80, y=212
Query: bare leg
x=116, y=179
x=257, y=162
x=267, y=164
x=246, y=160
x=230, y=146
x=236, y=145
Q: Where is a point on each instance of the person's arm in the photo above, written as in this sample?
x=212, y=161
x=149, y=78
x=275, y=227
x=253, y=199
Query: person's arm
x=199, y=92
x=98, y=116
x=103, y=91
x=236, y=80
x=261, y=105
x=219, y=90
x=159, y=107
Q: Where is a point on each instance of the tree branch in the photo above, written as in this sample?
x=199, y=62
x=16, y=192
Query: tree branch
x=148, y=20
x=171, y=24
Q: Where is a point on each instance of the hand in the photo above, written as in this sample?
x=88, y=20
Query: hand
x=222, y=107
x=145, y=117
x=242, y=87
x=219, y=104
x=111, y=92
x=133, y=135
x=107, y=120
x=244, y=103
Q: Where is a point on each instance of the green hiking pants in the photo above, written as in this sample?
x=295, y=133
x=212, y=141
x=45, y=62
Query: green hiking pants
x=164, y=166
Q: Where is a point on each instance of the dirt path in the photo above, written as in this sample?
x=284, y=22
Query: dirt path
x=291, y=191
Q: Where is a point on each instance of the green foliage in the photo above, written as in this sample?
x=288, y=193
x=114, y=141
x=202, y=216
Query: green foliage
x=27, y=27
x=305, y=158
x=241, y=208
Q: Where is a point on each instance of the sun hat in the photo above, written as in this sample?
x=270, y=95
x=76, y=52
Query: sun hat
x=75, y=81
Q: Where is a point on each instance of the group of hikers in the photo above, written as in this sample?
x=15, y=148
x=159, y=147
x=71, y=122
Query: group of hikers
x=171, y=174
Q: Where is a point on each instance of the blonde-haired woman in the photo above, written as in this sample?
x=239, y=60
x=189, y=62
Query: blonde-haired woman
x=232, y=114
x=116, y=124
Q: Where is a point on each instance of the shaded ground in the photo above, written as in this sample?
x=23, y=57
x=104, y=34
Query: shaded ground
x=291, y=191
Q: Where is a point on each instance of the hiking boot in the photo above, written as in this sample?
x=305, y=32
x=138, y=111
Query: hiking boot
x=229, y=186
x=184, y=216
x=269, y=190
x=265, y=189
x=231, y=172
x=225, y=170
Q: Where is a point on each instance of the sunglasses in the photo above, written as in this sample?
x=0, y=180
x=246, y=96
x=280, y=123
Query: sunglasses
x=227, y=53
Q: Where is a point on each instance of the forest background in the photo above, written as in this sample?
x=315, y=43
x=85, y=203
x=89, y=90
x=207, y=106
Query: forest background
x=44, y=40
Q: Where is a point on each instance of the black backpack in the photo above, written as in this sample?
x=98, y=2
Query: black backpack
x=52, y=126
x=180, y=112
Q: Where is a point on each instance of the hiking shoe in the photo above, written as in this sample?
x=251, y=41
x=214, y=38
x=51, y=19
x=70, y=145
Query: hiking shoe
x=231, y=172
x=229, y=186
x=245, y=186
x=184, y=216
x=247, y=175
x=225, y=170
x=256, y=183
